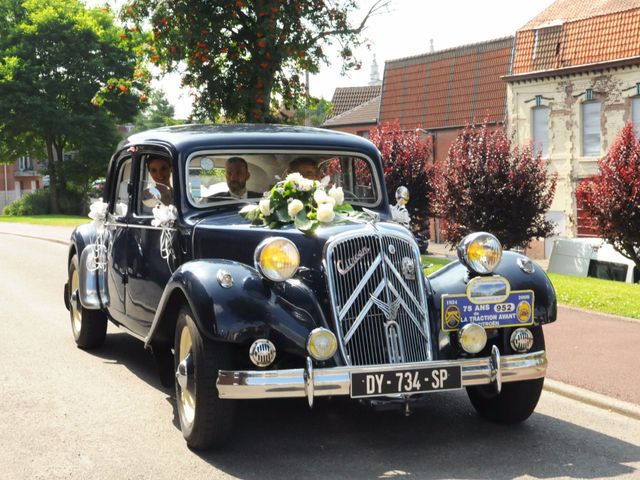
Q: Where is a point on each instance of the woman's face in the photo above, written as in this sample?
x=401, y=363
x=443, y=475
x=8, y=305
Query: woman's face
x=160, y=171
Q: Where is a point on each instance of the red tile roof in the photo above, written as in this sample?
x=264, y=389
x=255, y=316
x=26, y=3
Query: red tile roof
x=362, y=114
x=448, y=88
x=346, y=98
x=570, y=33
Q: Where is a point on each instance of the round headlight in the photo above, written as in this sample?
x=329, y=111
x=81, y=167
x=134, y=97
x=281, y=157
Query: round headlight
x=480, y=251
x=321, y=344
x=473, y=338
x=277, y=259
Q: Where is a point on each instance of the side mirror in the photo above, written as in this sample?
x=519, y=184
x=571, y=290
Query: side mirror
x=151, y=197
x=402, y=195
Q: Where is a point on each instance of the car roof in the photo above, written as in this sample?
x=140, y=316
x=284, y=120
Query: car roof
x=189, y=137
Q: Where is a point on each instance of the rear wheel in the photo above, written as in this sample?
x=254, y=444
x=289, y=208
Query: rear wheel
x=205, y=419
x=89, y=327
x=516, y=400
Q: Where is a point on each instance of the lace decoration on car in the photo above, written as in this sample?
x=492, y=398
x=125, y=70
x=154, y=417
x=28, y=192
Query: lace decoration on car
x=164, y=217
x=98, y=213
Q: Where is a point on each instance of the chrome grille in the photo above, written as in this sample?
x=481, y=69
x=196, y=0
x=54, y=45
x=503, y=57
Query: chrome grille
x=380, y=314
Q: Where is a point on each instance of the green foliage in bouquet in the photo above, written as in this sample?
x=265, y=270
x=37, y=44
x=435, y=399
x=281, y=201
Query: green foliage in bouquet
x=303, y=202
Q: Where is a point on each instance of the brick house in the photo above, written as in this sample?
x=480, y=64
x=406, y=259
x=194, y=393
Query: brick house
x=441, y=92
x=355, y=109
x=575, y=82
x=18, y=179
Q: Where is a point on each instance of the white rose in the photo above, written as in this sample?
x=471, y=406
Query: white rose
x=248, y=208
x=304, y=185
x=294, y=207
x=337, y=194
x=320, y=196
x=294, y=177
x=325, y=212
x=265, y=206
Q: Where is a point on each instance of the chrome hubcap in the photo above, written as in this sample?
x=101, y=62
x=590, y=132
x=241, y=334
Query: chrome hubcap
x=185, y=377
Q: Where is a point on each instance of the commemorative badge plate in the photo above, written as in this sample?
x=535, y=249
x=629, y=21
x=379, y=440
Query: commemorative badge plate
x=490, y=303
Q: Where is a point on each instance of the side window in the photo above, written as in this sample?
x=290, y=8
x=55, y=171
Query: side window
x=121, y=201
x=155, y=179
x=591, y=129
x=635, y=115
x=541, y=130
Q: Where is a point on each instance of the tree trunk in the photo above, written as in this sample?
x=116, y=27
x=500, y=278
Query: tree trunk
x=53, y=178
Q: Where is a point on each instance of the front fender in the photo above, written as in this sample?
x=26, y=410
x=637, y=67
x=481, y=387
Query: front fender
x=453, y=279
x=251, y=308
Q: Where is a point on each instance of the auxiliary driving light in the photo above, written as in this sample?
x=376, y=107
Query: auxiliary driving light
x=262, y=352
x=321, y=344
x=480, y=251
x=473, y=338
x=521, y=340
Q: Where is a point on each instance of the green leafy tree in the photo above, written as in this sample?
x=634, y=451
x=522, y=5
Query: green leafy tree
x=67, y=76
x=243, y=57
x=319, y=109
x=612, y=197
x=486, y=184
x=158, y=113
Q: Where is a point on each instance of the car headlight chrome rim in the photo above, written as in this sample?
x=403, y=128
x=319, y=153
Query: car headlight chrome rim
x=277, y=258
x=480, y=251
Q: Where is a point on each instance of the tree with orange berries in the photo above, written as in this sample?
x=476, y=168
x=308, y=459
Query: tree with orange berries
x=243, y=58
x=67, y=78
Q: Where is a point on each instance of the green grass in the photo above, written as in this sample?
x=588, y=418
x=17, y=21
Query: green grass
x=53, y=220
x=436, y=263
x=606, y=296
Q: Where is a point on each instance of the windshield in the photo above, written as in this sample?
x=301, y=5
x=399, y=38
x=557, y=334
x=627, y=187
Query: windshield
x=214, y=179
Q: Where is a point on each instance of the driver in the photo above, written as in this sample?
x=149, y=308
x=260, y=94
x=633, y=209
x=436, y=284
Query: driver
x=237, y=173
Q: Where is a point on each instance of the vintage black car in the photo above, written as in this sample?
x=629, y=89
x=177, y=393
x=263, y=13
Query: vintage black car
x=236, y=307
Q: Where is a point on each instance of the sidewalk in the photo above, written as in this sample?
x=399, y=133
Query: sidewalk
x=593, y=357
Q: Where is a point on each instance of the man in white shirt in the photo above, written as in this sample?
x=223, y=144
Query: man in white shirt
x=237, y=174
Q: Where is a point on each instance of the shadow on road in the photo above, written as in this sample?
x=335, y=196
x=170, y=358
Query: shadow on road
x=342, y=439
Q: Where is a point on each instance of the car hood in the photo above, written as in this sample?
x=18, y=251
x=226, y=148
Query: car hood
x=230, y=237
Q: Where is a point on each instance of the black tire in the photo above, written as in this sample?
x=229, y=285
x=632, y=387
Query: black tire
x=205, y=420
x=89, y=327
x=516, y=400
x=514, y=404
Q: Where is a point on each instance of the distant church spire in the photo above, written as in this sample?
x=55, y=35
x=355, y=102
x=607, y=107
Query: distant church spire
x=374, y=76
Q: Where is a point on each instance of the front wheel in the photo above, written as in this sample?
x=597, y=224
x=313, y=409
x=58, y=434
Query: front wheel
x=89, y=327
x=205, y=419
x=516, y=400
x=514, y=404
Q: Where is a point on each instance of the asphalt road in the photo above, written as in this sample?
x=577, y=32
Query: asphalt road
x=67, y=413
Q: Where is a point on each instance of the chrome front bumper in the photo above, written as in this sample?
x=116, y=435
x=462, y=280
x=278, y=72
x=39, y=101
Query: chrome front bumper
x=309, y=382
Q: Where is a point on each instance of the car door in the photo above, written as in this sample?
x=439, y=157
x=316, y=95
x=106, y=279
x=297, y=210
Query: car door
x=117, y=219
x=148, y=272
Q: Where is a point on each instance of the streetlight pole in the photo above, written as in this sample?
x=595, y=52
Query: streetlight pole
x=307, y=114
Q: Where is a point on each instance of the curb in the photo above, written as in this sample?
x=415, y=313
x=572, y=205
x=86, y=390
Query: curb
x=595, y=312
x=594, y=399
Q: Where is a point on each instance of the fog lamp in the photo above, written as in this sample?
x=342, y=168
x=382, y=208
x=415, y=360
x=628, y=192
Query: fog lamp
x=473, y=338
x=521, y=340
x=480, y=251
x=321, y=344
x=277, y=258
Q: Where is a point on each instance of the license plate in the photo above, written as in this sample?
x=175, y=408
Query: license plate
x=415, y=380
